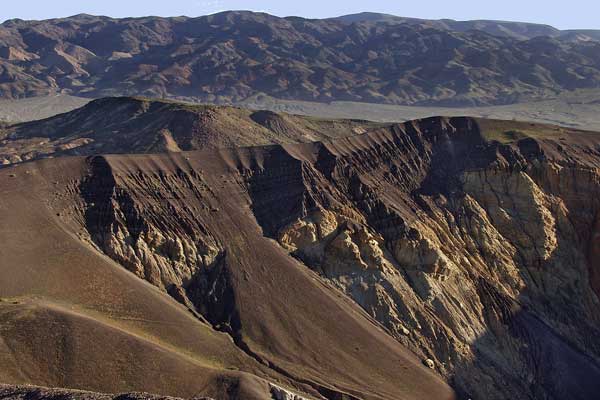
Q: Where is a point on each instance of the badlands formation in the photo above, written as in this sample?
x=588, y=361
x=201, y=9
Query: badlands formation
x=442, y=258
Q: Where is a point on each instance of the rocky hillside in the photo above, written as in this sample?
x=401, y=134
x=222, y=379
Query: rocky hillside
x=136, y=125
x=101, y=249
x=471, y=243
x=233, y=56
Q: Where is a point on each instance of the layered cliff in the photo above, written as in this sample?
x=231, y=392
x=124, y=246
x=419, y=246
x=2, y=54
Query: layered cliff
x=479, y=256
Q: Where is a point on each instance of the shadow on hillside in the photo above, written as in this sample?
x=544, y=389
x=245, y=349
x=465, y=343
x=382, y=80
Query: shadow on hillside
x=525, y=357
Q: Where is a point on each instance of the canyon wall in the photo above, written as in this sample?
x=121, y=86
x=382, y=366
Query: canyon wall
x=480, y=257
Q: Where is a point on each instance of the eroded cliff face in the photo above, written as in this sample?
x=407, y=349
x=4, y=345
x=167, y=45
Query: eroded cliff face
x=480, y=257
x=140, y=221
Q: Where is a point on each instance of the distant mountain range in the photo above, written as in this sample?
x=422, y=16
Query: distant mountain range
x=515, y=30
x=235, y=56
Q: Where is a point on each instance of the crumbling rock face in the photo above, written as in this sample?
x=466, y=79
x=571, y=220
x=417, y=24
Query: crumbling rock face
x=160, y=241
x=519, y=209
x=279, y=393
x=472, y=253
x=333, y=242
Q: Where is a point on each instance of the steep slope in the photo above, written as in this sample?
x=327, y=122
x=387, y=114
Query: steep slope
x=232, y=56
x=136, y=125
x=73, y=318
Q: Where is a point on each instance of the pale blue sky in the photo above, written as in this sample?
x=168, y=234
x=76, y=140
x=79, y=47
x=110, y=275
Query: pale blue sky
x=569, y=14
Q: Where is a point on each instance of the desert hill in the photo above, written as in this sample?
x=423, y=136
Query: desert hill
x=232, y=56
x=137, y=125
x=577, y=109
x=371, y=266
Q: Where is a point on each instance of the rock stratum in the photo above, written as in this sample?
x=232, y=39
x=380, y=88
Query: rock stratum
x=239, y=56
x=444, y=258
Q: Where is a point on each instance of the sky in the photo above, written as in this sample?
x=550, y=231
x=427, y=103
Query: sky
x=570, y=14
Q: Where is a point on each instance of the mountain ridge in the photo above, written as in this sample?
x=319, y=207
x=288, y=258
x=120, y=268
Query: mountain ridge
x=140, y=125
x=231, y=56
